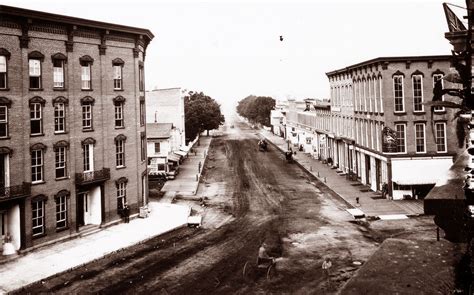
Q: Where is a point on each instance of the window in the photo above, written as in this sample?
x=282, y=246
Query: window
x=119, y=114
x=3, y=72
x=157, y=147
x=3, y=121
x=417, y=93
x=87, y=116
x=88, y=157
x=375, y=80
x=420, y=137
x=86, y=76
x=58, y=73
x=37, y=165
x=365, y=95
x=37, y=208
x=35, y=73
x=398, y=93
x=36, y=119
x=143, y=146
x=436, y=78
x=121, y=194
x=440, y=129
x=380, y=94
x=401, y=135
x=61, y=211
x=60, y=160
x=59, y=118
x=377, y=136
x=120, y=153
x=118, y=77
x=369, y=93
x=141, y=82
x=142, y=113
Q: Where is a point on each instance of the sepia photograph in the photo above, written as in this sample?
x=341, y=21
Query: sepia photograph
x=236, y=147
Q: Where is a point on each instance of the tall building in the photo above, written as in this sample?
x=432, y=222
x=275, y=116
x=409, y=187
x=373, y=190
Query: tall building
x=72, y=124
x=385, y=134
x=377, y=128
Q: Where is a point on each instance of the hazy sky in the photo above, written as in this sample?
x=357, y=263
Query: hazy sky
x=231, y=49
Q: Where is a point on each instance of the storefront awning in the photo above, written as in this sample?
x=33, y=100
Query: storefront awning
x=185, y=148
x=419, y=172
x=174, y=158
x=180, y=153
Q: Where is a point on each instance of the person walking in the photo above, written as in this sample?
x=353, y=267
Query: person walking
x=326, y=267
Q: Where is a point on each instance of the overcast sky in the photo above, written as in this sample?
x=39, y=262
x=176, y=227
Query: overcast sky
x=231, y=49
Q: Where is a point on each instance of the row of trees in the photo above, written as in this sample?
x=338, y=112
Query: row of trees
x=256, y=109
x=201, y=113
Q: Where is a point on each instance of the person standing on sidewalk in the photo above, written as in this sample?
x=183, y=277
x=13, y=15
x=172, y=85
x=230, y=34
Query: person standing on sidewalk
x=126, y=212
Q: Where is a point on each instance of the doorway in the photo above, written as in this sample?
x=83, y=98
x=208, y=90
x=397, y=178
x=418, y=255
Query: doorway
x=367, y=169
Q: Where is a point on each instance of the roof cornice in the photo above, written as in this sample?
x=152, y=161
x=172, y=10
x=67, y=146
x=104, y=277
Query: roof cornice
x=391, y=59
x=58, y=18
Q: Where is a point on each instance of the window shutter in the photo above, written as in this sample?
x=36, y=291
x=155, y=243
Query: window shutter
x=3, y=64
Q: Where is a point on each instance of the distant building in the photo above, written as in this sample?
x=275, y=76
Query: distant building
x=167, y=106
x=72, y=124
x=307, y=127
x=166, y=136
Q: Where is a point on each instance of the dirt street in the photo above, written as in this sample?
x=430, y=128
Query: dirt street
x=252, y=197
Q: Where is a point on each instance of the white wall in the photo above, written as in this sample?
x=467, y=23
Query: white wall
x=13, y=226
x=166, y=106
x=164, y=148
x=95, y=206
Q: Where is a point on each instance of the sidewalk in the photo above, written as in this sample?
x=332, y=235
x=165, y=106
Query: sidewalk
x=187, y=181
x=370, y=202
x=50, y=260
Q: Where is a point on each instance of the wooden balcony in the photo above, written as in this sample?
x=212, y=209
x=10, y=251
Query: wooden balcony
x=15, y=192
x=92, y=177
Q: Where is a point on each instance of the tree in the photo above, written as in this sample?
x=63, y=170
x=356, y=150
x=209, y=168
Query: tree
x=256, y=109
x=201, y=112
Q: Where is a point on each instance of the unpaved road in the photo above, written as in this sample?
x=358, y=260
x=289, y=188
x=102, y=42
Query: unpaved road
x=261, y=198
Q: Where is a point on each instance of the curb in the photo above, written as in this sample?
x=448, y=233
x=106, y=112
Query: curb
x=311, y=174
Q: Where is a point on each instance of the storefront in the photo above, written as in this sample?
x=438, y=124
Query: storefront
x=413, y=178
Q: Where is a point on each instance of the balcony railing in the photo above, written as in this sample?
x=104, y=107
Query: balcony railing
x=16, y=191
x=92, y=176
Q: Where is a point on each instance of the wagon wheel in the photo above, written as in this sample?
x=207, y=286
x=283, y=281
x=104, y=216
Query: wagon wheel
x=271, y=271
x=248, y=271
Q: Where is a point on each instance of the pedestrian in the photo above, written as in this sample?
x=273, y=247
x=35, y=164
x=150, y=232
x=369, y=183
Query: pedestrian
x=326, y=266
x=126, y=212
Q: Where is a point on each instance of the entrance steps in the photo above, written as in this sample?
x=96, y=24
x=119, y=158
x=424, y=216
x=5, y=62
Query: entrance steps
x=88, y=230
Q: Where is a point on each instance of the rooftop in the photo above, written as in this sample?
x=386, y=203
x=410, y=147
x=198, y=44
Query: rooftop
x=158, y=130
x=64, y=19
x=381, y=60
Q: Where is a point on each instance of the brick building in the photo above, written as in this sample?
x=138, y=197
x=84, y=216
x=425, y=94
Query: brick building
x=72, y=124
x=390, y=92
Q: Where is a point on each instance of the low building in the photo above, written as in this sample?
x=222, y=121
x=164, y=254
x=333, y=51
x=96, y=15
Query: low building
x=163, y=154
x=72, y=125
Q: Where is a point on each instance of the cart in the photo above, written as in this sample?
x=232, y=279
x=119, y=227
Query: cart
x=262, y=266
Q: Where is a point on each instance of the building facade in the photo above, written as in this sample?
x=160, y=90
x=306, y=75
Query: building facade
x=378, y=128
x=72, y=120
x=167, y=137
